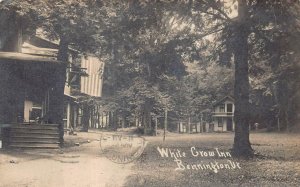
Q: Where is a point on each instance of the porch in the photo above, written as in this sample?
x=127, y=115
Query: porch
x=34, y=79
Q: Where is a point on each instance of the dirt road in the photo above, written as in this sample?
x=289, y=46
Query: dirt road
x=76, y=166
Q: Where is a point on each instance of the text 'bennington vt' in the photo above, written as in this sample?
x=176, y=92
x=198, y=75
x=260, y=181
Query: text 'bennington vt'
x=211, y=156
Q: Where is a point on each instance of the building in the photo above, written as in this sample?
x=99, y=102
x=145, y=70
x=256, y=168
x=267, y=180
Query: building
x=83, y=82
x=35, y=86
x=199, y=124
x=223, y=113
x=30, y=88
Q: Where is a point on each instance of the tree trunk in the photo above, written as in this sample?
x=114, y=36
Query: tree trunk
x=147, y=117
x=85, y=118
x=241, y=146
x=165, y=123
x=106, y=120
x=10, y=32
x=56, y=111
x=123, y=121
x=113, y=120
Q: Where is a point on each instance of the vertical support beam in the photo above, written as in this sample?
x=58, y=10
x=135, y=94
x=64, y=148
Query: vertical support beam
x=75, y=115
x=68, y=114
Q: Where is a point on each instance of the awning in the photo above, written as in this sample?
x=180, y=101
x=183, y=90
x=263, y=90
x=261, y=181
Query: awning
x=71, y=98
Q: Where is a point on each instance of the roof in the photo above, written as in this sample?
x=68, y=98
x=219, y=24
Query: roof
x=26, y=57
x=27, y=48
x=41, y=41
x=224, y=99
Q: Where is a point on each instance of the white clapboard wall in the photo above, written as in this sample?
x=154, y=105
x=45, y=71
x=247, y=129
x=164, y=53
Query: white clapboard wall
x=92, y=84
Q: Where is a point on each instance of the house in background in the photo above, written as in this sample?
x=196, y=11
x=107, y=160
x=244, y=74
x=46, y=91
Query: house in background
x=199, y=124
x=223, y=114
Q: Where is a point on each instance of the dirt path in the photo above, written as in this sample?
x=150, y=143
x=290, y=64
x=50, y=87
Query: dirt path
x=76, y=166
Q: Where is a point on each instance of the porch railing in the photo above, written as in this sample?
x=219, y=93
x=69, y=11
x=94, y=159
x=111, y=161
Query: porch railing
x=222, y=113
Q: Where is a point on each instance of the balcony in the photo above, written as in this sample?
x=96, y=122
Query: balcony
x=222, y=114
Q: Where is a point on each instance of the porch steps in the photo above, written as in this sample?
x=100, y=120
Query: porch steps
x=34, y=136
x=34, y=145
x=33, y=127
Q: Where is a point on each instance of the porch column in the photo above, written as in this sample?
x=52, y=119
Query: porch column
x=233, y=124
x=69, y=117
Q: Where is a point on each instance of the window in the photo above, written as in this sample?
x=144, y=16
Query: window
x=220, y=122
x=229, y=108
x=222, y=108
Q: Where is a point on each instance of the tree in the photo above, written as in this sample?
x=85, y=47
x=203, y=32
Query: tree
x=144, y=51
x=274, y=44
x=255, y=19
x=242, y=146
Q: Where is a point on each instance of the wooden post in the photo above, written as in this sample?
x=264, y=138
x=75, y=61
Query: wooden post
x=75, y=116
x=68, y=114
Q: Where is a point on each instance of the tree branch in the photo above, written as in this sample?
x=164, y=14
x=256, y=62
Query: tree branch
x=213, y=5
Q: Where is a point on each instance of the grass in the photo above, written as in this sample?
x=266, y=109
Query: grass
x=278, y=163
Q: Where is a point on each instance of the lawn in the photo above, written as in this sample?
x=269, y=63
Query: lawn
x=277, y=162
